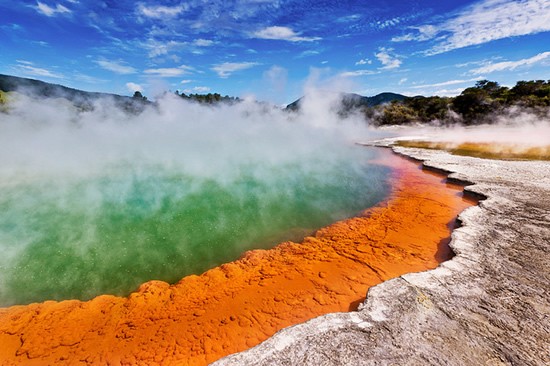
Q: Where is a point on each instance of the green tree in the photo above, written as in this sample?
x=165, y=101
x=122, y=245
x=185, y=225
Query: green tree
x=137, y=95
x=397, y=113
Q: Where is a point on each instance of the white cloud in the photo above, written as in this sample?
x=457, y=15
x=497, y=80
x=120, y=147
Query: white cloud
x=358, y=73
x=24, y=62
x=186, y=81
x=387, y=58
x=364, y=61
x=447, y=92
x=157, y=48
x=49, y=11
x=283, y=34
x=116, y=66
x=349, y=18
x=511, y=65
x=432, y=92
x=425, y=32
x=227, y=68
x=42, y=43
x=308, y=53
x=175, y=58
x=159, y=11
x=405, y=38
x=470, y=63
x=386, y=23
x=203, y=42
x=27, y=68
x=402, y=81
x=446, y=83
x=168, y=72
x=483, y=22
x=133, y=87
x=197, y=89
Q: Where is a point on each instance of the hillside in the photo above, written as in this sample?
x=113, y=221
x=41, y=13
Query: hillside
x=81, y=99
x=352, y=101
x=475, y=105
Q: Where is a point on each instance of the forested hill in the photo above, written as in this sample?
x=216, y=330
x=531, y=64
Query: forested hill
x=351, y=100
x=81, y=99
x=475, y=105
x=10, y=83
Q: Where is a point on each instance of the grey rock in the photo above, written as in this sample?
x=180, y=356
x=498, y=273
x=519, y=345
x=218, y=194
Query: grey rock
x=489, y=305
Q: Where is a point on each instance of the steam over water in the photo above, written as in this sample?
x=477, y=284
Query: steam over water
x=100, y=201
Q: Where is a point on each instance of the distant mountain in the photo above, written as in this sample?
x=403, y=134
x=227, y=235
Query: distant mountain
x=352, y=101
x=80, y=98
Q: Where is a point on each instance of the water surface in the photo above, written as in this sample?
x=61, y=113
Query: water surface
x=74, y=236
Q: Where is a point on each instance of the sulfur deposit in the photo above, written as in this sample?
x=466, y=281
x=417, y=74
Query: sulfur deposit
x=240, y=304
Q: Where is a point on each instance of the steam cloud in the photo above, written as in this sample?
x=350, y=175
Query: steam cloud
x=63, y=168
x=517, y=129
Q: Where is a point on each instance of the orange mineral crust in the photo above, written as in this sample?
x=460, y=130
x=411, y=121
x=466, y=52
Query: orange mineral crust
x=237, y=305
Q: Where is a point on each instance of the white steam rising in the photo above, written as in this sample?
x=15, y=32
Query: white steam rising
x=517, y=126
x=100, y=200
x=51, y=137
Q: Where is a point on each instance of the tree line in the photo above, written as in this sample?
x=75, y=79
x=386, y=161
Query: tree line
x=210, y=98
x=475, y=105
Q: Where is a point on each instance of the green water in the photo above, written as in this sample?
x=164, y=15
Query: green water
x=107, y=233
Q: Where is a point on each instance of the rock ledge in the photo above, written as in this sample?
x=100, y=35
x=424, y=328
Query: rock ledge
x=489, y=305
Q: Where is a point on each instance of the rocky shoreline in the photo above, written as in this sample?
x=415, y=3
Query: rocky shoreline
x=489, y=305
x=238, y=305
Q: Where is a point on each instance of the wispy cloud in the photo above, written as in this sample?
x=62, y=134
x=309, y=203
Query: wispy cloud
x=356, y=73
x=388, y=58
x=28, y=68
x=203, y=42
x=446, y=83
x=158, y=48
x=446, y=92
x=483, y=22
x=227, y=68
x=382, y=24
x=51, y=11
x=425, y=32
x=160, y=12
x=283, y=34
x=88, y=79
x=42, y=43
x=363, y=61
x=349, y=18
x=169, y=72
x=133, y=87
x=308, y=53
x=118, y=67
x=511, y=65
x=197, y=89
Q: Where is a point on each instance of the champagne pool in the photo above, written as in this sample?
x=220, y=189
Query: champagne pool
x=82, y=238
x=77, y=233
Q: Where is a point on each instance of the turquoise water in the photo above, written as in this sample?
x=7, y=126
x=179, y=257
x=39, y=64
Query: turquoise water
x=108, y=232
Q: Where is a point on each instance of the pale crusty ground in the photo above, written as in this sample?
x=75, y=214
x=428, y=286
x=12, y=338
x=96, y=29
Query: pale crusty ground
x=489, y=305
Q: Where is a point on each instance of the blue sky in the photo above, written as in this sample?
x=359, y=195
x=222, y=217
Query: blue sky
x=273, y=49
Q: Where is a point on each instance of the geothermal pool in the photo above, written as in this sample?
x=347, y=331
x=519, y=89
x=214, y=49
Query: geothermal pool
x=98, y=202
x=107, y=234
